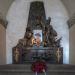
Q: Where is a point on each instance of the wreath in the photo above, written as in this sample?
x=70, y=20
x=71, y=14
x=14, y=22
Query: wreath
x=39, y=67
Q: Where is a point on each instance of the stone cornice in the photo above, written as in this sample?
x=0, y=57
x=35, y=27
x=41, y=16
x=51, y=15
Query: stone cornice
x=3, y=23
x=71, y=21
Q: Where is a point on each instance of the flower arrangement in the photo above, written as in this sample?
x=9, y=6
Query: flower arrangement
x=39, y=67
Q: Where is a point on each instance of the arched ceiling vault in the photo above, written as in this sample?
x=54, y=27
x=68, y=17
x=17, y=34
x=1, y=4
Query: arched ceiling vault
x=69, y=4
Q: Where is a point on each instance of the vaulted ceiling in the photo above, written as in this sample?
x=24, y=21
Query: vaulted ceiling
x=70, y=6
x=5, y=4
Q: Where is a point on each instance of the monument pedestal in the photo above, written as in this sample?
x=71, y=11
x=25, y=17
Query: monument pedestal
x=52, y=55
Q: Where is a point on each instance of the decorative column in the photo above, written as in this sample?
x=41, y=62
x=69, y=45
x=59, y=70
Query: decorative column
x=71, y=23
x=3, y=25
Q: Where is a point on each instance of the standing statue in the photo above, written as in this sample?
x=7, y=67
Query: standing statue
x=51, y=33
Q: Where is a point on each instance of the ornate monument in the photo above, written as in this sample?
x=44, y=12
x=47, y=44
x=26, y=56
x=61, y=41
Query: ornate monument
x=40, y=40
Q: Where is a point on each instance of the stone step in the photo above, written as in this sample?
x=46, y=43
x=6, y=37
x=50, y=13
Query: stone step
x=25, y=69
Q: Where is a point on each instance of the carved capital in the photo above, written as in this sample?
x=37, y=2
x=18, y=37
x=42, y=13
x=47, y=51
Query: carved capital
x=71, y=21
x=3, y=22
